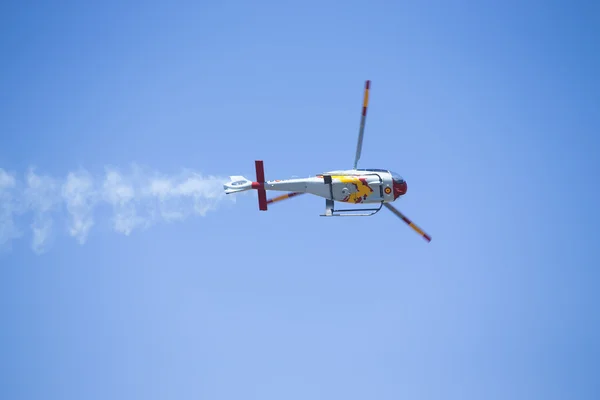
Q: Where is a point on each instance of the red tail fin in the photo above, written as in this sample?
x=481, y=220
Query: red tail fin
x=260, y=179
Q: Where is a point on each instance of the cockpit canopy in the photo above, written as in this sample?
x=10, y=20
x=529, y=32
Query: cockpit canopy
x=397, y=177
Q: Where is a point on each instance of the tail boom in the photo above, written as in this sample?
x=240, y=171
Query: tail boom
x=237, y=184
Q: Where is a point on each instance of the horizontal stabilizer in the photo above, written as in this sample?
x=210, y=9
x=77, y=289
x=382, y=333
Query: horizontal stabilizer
x=237, y=184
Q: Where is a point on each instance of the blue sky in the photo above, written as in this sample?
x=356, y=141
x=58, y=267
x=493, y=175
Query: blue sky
x=119, y=121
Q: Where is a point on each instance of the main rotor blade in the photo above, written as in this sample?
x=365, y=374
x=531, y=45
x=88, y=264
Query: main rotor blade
x=408, y=221
x=363, y=118
x=283, y=197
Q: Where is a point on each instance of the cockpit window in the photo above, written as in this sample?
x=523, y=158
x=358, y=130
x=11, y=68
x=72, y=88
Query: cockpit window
x=397, y=177
x=372, y=169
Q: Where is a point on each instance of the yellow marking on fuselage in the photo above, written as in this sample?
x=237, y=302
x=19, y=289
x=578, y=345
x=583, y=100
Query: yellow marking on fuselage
x=366, y=102
x=362, y=188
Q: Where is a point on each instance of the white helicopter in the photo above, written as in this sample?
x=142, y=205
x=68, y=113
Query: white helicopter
x=356, y=186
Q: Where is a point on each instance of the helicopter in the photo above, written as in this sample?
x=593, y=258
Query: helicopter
x=368, y=186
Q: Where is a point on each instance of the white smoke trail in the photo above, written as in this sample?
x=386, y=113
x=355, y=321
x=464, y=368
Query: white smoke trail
x=41, y=197
x=138, y=199
x=8, y=229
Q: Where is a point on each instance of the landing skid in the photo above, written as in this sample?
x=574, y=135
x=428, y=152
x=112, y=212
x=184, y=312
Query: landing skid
x=330, y=211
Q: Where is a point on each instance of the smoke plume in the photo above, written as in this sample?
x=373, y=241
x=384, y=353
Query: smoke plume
x=135, y=200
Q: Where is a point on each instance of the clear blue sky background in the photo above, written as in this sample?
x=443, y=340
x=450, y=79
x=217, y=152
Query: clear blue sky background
x=489, y=110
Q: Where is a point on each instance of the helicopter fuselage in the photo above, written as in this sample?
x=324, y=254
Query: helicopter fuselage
x=361, y=186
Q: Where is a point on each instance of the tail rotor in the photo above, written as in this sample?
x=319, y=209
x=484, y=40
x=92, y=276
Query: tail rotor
x=260, y=185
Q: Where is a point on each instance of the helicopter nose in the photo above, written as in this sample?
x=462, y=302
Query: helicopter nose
x=400, y=189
